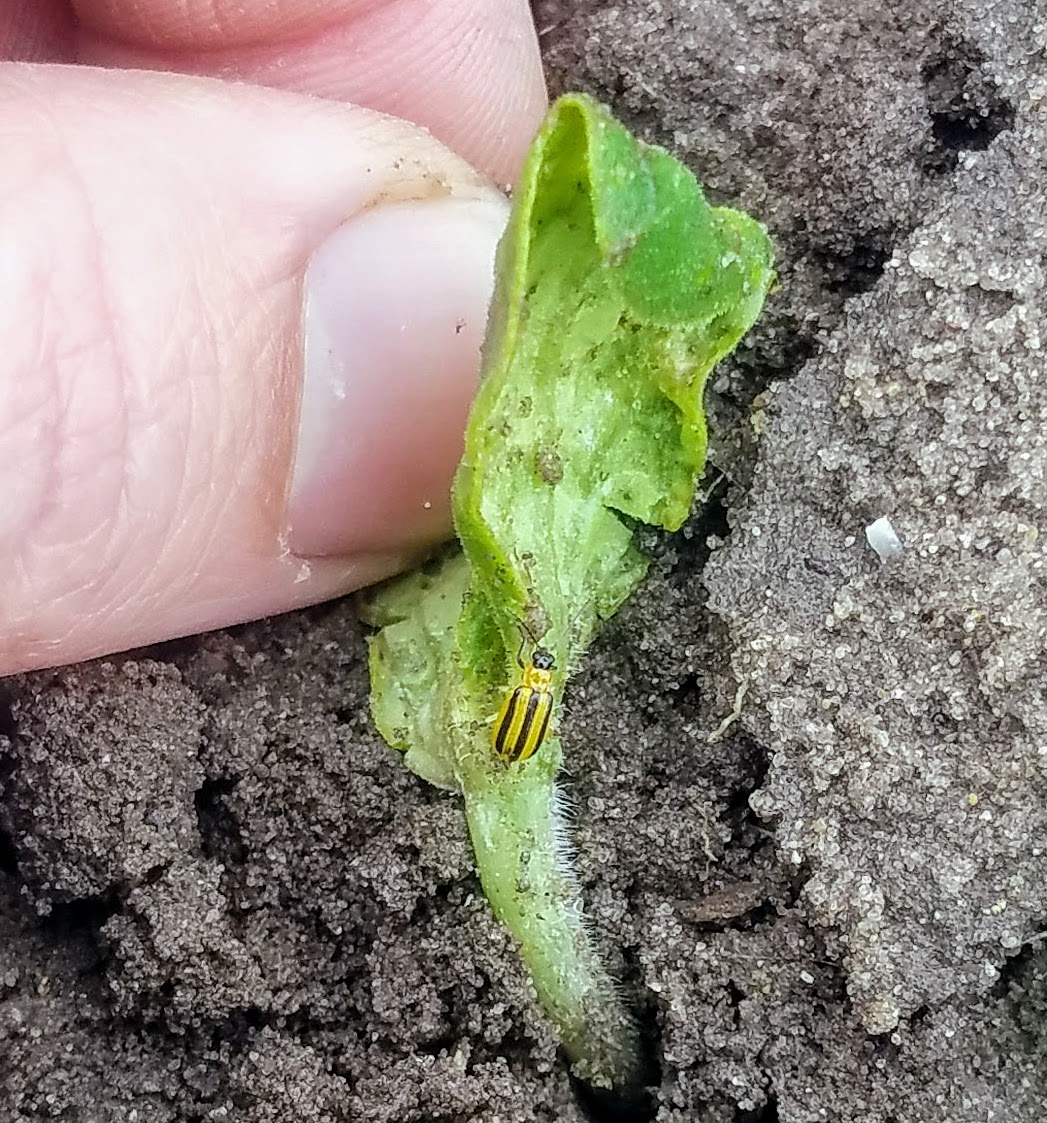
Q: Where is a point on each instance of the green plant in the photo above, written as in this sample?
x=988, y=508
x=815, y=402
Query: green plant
x=618, y=289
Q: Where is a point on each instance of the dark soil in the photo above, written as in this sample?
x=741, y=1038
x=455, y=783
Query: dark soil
x=222, y=898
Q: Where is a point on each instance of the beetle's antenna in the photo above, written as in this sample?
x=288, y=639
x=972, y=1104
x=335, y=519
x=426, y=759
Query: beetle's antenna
x=528, y=635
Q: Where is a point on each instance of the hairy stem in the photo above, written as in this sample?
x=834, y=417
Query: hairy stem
x=523, y=860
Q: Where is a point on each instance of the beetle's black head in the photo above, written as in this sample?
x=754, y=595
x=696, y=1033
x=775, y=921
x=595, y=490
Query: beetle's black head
x=543, y=659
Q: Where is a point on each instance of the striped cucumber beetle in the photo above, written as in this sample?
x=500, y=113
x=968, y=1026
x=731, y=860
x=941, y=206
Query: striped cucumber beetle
x=523, y=720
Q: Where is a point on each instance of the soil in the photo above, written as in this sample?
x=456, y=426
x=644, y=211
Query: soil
x=810, y=785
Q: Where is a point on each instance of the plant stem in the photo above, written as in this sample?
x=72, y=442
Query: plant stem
x=521, y=852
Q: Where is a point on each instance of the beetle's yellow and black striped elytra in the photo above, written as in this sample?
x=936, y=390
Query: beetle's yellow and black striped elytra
x=523, y=720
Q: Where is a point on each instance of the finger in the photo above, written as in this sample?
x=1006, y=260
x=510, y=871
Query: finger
x=158, y=233
x=36, y=30
x=468, y=70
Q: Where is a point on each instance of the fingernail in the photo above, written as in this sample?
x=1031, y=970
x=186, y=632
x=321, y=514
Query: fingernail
x=395, y=309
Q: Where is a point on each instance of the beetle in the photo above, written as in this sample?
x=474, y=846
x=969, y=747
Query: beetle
x=523, y=720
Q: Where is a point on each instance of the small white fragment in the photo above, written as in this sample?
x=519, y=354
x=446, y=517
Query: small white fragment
x=880, y=535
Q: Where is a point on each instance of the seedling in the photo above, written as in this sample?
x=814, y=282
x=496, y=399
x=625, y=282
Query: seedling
x=618, y=289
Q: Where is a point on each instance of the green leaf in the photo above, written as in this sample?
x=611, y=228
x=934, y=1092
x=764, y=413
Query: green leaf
x=618, y=289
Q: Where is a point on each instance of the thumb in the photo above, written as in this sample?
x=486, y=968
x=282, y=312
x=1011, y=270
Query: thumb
x=180, y=447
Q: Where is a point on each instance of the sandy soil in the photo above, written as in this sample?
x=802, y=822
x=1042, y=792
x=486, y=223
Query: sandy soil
x=221, y=898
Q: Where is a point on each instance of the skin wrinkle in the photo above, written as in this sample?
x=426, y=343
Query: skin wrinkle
x=101, y=542
x=63, y=368
x=235, y=435
x=20, y=567
x=467, y=51
x=277, y=355
x=427, y=52
x=77, y=371
x=120, y=365
x=181, y=491
x=207, y=459
x=206, y=394
x=112, y=585
x=158, y=420
x=27, y=410
x=271, y=299
x=47, y=397
x=204, y=25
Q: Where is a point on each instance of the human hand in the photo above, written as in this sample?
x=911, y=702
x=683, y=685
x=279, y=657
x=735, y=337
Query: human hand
x=159, y=237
